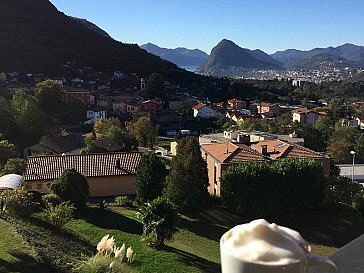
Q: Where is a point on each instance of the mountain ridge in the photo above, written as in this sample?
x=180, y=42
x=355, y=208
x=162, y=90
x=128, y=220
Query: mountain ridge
x=181, y=56
x=226, y=54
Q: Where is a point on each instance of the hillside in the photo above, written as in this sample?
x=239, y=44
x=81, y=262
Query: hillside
x=227, y=55
x=36, y=37
x=91, y=26
x=353, y=55
x=180, y=56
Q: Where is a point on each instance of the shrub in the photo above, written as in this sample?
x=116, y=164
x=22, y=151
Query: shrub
x=159, y=219
x=123, y=201
x=52, y=199
x=341, y=189
x=263, y=188
x=71, y=186
x=101, y=264
x=60, y=214
x=358, y=201
x=19, y=202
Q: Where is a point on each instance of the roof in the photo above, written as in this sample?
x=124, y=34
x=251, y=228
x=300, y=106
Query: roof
x=231, y=153
x=90, y=165
x=106, y=144
x=199, y=106
x=61, y=144
x=10, y=181
x=236, y=101
x=301, y=111
x=267, y=104
x=283, y=149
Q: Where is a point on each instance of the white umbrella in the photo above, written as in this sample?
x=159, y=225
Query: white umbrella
x=10, y=181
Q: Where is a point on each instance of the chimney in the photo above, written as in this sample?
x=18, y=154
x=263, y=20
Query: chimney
x=117, y=163
x=244, y=139
x=264, y=149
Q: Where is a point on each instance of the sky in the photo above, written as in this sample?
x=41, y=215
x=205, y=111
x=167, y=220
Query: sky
x=269, y=25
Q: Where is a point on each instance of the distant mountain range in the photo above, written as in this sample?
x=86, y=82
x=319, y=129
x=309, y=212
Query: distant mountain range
x=36, y=37
x=347, y=54
x=227, y=56
x=180, y=56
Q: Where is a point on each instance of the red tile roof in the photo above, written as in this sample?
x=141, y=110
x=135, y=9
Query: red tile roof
x=90, y=165
x=199, y=106
x=231, y=153
x=283, y=149
x=301, y=111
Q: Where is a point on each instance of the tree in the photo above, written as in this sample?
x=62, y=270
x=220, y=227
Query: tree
x=29, y=118
x=49, y=95
x=14, y=165
x=71, y=186
x=150, y=178
x=7, y=126
x=186, y=185
x=155, y=86
x=143, y=131
x=159, y=221
x=7, y=150
x=325, y=125
x=342, y=142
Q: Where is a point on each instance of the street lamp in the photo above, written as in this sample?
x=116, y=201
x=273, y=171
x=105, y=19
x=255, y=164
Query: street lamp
x=352, y=173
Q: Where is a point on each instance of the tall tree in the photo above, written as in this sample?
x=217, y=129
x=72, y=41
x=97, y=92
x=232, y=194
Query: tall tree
x=143, y=131
x=186, y=185
x=29, y=118
x=7, y=150
x=49, y=95
x=150, y=178
x=14, y=165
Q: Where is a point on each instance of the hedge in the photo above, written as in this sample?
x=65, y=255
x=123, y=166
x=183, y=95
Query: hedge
x=264, y=188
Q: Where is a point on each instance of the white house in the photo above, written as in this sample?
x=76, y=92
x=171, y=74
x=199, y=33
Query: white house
x=95, y=115
x=203, y=110
x=304, y=116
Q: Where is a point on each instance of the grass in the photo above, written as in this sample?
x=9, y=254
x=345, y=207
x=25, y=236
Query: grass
x=15, y=254
x=195, y=247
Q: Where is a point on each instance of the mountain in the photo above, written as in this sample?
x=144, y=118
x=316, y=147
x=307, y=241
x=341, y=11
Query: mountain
x=91, y=26
x=227, y=56
x=353, y=55
x=180, y=56
x=36, y=37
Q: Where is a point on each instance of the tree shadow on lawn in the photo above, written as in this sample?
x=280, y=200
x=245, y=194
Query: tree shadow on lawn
x=108, y=219
x=24, y=263
x=193, y=260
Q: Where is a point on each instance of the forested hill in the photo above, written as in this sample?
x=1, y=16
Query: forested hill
x=36, y=37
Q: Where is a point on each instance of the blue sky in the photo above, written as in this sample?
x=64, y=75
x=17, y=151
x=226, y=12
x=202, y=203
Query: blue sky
x=269, y=25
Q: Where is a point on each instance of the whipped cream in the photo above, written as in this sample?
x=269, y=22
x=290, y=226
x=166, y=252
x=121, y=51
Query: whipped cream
x=262, y=242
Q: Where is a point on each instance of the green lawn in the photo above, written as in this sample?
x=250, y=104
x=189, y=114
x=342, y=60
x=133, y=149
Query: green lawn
x=195, y=247
x=15, y=254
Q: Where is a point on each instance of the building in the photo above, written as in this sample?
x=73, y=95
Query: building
x=151, y=107
x=221, y=155
x=77, y=93
x=93, y=115
x=236, y=104
x=203, y=110
x=304, y=116
x=56, y=145
x=109, y=174
x=266, y=107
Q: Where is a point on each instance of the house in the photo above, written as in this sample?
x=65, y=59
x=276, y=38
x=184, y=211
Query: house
x=132, y=107
x=277, y=149
x=236, y=104
x=105, y=145
x=203, y=110
x=268, y=108
x=69, y=144
x=77, y=93
x=151, y=107
x=221, y=155
x=304, y=116
x=109, y=174
x=93, y=115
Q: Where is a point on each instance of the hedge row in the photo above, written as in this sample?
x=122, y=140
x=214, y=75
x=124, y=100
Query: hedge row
x=264, y=188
